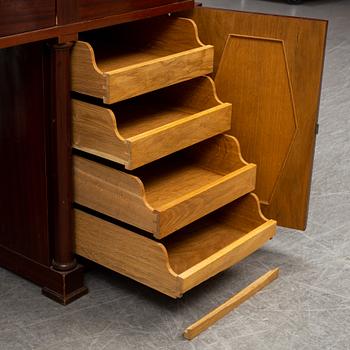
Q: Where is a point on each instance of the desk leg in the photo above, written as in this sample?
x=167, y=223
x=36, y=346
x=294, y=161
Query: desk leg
x=61, y=179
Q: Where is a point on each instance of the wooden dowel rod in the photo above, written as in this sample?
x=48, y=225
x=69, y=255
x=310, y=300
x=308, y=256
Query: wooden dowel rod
x=216, y=314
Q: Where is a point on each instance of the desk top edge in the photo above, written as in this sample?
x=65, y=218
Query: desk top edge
x=59, y=32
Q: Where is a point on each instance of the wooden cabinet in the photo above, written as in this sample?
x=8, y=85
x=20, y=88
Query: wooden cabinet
x=162, y=195
x=195, y=200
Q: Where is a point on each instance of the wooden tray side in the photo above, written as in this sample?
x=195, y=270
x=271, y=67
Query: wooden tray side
x=179, y=34
x=87, y=78
x=142, y=78
x=198, y=94
x=195, y=128
x=198, y=241
x=95, y=131
x=113, y=193
x=221, y=154
x=125, y=252
x=244, y=214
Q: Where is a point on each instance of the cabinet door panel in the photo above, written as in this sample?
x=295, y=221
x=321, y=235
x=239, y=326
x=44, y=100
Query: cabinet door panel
x=270, y=68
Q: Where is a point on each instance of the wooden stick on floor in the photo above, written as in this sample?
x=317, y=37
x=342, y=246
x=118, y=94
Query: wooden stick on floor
x=216, y=314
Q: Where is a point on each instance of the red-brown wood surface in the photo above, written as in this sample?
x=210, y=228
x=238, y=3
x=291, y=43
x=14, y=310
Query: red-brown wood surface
x=68, y=30
x=35, y=186
x=23, y=125
x=28, y=202
x=90, y=9
x=18, y=16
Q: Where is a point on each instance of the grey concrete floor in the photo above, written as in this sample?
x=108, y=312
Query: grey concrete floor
x=308, y=307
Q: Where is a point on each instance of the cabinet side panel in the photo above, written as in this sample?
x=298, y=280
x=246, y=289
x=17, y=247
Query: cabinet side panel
x=23, y=204
x=300, y=45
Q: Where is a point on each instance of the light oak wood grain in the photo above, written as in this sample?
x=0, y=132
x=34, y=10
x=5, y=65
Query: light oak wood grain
x=140, y=130
x=138, y=58
x=219, y=312
x=125, y=252
x=269, y=110
x=170, y=193
x=184, y=259
x=270, y=68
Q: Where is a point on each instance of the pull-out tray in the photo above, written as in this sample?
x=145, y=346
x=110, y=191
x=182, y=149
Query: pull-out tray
x=184, y=259
x=134, y=58
x=169, y=193
x=145, y=128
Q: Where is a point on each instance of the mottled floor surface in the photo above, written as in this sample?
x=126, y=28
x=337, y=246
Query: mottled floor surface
x=308, y=307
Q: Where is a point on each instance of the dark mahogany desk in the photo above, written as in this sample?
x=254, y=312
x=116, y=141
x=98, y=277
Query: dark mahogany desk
x=36, y=36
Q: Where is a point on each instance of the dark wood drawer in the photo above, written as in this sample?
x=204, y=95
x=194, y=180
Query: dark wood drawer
x=22, y=15
x=89, y=9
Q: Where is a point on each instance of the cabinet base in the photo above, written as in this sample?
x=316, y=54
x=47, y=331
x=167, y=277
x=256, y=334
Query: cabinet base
x=62, y=287
x=64, y=298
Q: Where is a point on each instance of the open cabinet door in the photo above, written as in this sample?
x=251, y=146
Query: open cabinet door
x=270, y=68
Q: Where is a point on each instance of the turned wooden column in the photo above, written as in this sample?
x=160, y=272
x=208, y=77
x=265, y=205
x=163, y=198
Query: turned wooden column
x=67, y=283
x=61, y=154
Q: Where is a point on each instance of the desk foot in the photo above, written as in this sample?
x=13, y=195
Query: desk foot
x=69, y=287
x=61, y=286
